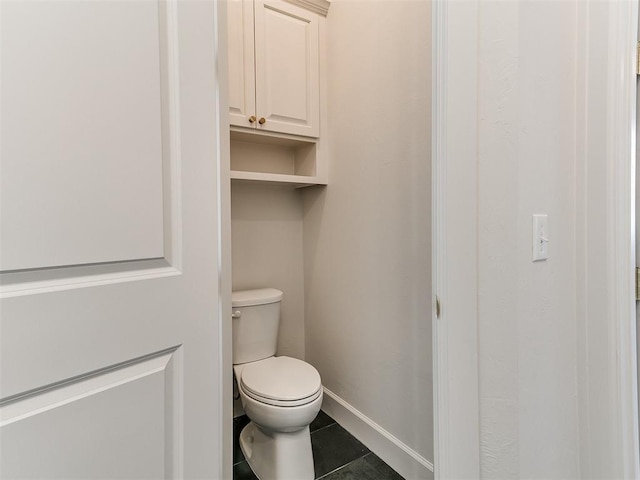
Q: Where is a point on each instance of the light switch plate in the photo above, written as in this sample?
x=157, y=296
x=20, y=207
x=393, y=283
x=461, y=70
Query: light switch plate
x=540, y=238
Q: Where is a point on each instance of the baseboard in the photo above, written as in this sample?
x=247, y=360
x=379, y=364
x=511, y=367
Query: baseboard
x=399, y=456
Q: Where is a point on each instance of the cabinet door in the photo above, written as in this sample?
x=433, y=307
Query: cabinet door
x=242, y=86
x=287, y=68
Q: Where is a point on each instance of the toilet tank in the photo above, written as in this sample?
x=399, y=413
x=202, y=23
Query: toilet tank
x=256, y=318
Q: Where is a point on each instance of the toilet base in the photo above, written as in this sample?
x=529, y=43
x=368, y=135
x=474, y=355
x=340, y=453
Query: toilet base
x=278, y=456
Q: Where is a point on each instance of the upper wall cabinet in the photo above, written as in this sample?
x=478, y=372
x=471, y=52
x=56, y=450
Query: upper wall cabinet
x=274, y=77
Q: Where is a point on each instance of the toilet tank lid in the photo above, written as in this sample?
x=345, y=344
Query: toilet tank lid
x=259, y=296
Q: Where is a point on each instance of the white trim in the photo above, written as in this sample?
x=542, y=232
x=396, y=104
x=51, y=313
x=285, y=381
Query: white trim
x=320, y=7
x=223, y=200
x=621, y=115
x=399, y=456
x=455, y=333
x=605, y=245
x=439, y=81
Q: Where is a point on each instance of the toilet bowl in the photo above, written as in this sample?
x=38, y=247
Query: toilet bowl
x=277, y=442
x=280, y=395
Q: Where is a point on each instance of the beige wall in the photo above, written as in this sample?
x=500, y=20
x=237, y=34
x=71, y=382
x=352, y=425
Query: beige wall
x=266, y=231
x=367, y=235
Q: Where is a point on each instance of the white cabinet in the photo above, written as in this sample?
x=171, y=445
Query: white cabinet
x=274, y=72
x=242, y=79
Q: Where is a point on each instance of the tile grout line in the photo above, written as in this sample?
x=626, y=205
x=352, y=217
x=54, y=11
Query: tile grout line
x=322, y=428
x=343, y=466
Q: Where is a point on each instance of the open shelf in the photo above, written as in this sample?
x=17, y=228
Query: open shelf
x=276, y=160
x=276, y=178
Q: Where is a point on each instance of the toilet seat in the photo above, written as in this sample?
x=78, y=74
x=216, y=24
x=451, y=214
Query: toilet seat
x=281, y=381
x=283, y=403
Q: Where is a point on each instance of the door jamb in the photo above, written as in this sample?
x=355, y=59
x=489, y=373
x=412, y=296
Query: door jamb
x=620, y=137
x=225, y=400
x=454, y=240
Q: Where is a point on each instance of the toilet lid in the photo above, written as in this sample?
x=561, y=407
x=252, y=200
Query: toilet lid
x=283, y=379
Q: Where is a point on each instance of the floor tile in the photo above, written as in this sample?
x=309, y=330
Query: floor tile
x=369, y=467
x=321, y=421
x=337, y=454
x=333, y=447
x=242, y=471
x=238, y=424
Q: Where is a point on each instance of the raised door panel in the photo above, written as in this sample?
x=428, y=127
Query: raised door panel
x=287, y=68
x=115, y=424
x=81, y=153
x=242, y=86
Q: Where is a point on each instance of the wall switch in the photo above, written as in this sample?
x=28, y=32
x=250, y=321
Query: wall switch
x=540, y=238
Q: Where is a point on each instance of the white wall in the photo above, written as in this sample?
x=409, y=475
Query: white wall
x=527, y=311
x=367, y=235
x=266, y=235
x=556, y=89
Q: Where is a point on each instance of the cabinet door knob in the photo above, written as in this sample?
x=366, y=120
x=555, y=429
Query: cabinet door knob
x=262, y=120
x=252, y=118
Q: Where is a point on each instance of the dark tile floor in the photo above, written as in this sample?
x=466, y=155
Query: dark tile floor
x=337, y=455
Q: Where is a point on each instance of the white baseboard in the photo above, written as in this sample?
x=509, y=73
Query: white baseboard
x=399, y=456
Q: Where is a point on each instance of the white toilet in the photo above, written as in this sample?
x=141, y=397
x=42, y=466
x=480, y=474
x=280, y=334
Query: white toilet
x=280, y=395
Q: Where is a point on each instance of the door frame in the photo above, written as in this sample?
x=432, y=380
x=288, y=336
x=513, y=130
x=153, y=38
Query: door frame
x=454, y=240
x=607, y=393
x=621, y=155
x=225, y=414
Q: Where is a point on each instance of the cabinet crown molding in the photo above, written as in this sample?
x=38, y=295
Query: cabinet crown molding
x=317, y=6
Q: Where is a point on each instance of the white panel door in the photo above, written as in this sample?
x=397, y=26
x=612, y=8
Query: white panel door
x=110, y=362
x=287, y=68
x=242, y=79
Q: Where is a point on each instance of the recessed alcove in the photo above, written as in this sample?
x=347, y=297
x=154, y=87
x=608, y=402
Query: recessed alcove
x=262, y=158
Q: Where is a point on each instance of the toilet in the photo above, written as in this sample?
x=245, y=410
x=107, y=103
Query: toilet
x=280, y=395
